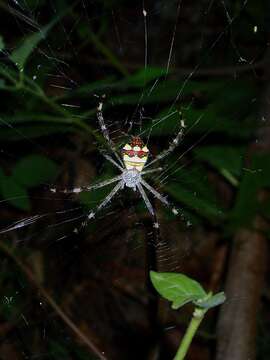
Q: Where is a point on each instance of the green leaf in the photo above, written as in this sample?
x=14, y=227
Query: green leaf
x=227, y=160
x=142, y=77
x=87, y=89
x=212, y=301
x=223, y=157
x=256, y=177
x=106, y=52
x=21, y=54
x=2, y=84
x=90, y=199
x=204, y=207
x=166, y=123
x=34, y=170
x=164, y=91
x=177, y=288
x=210, y=119
x=14, y=193
x=33, y=131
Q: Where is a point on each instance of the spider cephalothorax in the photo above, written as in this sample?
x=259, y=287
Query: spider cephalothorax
x=135, y=154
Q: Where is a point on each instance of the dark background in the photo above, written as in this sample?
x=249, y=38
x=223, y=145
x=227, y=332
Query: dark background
x=63, y=290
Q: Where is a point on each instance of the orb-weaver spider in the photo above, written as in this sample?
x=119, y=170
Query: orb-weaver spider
x=132, y=164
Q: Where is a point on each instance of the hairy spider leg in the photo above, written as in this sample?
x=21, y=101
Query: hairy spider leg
x=88, y=188
x=159, y=197
x=108, y=157
x=176, y=141
x=107, y=199
x=145, y=199
x=105, y=132
x=148, y=205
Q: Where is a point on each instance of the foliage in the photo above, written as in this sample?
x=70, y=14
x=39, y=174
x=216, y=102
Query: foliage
x=30, y=171
x=180, y=290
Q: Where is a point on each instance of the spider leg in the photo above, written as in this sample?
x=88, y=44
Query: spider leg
x=107, y=199
x=108, y=157
x=145, y=199
x=148, y=205
x=151, y=171
x=105, y=132
x=171, y=147
x=88, y=188
x=159, y=197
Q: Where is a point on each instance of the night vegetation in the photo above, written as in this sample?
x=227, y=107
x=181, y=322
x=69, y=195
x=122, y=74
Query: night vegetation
x=80, y=290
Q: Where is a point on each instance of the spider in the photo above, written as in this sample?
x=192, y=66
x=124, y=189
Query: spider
x=132, y=163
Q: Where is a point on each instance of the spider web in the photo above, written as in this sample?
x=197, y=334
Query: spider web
x=148, y=43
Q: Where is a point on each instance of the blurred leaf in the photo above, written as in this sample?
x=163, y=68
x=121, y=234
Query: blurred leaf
x=30, y=117
x=202, y=206
x=163, y=91
x=211, y=300
x=191, y=188
x=177, y=288
x=34, y=170
x=92, y=87
x=32, y=131
x=245, y=205
x=260, y=166
x=210, y=120
x=104, y=50
x=142, y=77
x=14, y=193
x=196, y=179
x=166, y=123
x=2, y=84
x=237, y=99
x=255, y=177
x=20, y=55
x=92, y=198
x=229, y=158
x=206, y=120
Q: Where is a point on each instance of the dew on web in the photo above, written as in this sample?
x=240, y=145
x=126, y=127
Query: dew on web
x=153, y=70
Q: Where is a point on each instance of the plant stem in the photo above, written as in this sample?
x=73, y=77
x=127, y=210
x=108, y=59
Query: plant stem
x=197, y=318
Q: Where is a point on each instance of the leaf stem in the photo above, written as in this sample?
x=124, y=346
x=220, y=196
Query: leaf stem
x=197, y=318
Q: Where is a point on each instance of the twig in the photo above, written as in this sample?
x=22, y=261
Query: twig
x=88, y=342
